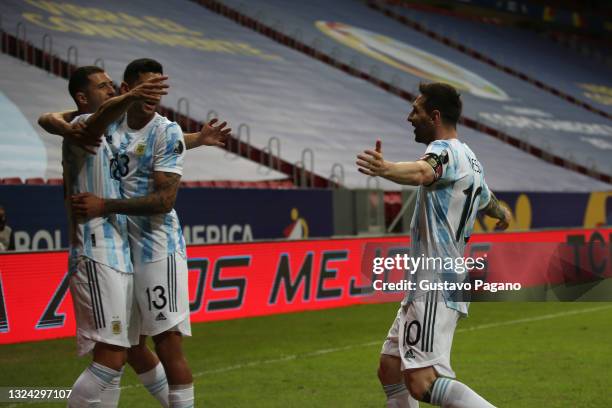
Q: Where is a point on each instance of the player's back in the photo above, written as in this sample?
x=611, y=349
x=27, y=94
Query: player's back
x=137, y=154
x=446, y=210
x=101, y=238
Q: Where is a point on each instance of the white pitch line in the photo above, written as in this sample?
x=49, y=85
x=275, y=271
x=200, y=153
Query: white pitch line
x=379, y=342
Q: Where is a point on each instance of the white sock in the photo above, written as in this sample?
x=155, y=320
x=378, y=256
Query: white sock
x=156, y=382
x=449, y=393
x=87, y=389
x=399, y=397
x=109, y=398
x=181, y=396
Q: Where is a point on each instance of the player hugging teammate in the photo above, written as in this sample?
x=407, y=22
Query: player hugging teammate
x=122, y=169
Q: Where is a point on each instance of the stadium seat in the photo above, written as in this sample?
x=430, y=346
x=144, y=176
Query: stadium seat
x=280, y=184
x=239, y=184
x=55, y=182
x=221, y=183
x=190, y=183
x=12, y=180
x=35, y=180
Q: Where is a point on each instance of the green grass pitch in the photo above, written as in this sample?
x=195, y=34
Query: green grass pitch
x=514, y=354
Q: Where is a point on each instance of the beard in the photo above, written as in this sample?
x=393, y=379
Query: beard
x=424, y=134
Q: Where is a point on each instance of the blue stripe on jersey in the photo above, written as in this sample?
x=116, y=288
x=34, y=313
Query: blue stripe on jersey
x=87, y=238
x=109, y=237
x=111, y=250
x=170, y=239
x=170, y=145
x=181, y=238
x=142, y=189
x=441, y=208
x=145, y=239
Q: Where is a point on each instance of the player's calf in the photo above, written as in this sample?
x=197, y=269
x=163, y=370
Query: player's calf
x=390, y=376
x=426, y=386
x=169, y=348
x=150, y=371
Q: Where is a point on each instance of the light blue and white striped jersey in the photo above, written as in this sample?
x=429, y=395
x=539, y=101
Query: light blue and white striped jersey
x=137, y=154
x=102, y=239
x=445, y=211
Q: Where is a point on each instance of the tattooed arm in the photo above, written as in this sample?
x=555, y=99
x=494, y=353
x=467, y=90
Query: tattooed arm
x=495, y=210
x=160, y=201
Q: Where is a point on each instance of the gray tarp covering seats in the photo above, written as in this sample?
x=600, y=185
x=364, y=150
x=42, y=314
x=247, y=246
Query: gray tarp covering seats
x=28, y=151
x=247, y=78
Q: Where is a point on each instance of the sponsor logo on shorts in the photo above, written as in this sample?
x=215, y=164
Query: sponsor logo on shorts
x=116, y=325
x=409, y=354
x=160, y=316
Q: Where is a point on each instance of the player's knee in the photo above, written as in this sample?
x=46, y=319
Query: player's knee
x=168, y=342
x=110, y=355
x=419, y=383
x=418, y=388
x=141, y=358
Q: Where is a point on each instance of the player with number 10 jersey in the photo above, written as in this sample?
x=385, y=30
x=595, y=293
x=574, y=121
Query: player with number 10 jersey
x=415, y=357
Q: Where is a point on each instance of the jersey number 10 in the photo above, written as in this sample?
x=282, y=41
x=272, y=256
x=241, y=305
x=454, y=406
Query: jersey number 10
x=467, y=209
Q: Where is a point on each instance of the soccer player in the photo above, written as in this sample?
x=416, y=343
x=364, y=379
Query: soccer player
x=101, y=279
x=90, y=87
x=148, y=160
x=415, y=358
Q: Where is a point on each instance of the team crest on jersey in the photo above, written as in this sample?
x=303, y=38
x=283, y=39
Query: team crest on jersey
x=140, y=149
x=178, y=147
x=116, y=325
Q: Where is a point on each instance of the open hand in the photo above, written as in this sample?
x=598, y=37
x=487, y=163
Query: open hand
x=212, y=135
x=151, y=91
x=371, y=162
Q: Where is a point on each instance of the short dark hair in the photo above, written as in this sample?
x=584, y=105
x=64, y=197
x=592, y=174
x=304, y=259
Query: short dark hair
x=141, y=66
x=80, y=79
x=444, y=98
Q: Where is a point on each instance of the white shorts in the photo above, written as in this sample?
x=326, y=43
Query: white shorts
x=102, y=298
x=422, y=334
x=162, y=297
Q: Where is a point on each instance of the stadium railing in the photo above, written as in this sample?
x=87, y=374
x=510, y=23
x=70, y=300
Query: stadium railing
x=19, y=47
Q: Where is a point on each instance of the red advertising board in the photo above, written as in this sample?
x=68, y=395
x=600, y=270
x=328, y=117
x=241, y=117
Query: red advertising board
x=243, y=280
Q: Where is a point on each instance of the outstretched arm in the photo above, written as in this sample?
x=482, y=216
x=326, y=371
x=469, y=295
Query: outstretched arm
x=495, y=210
x=111, y=110
x=209, y=135
x=416, y=173
x=160, y=201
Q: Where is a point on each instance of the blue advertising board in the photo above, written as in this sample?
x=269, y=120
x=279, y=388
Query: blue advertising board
x=37, y=216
